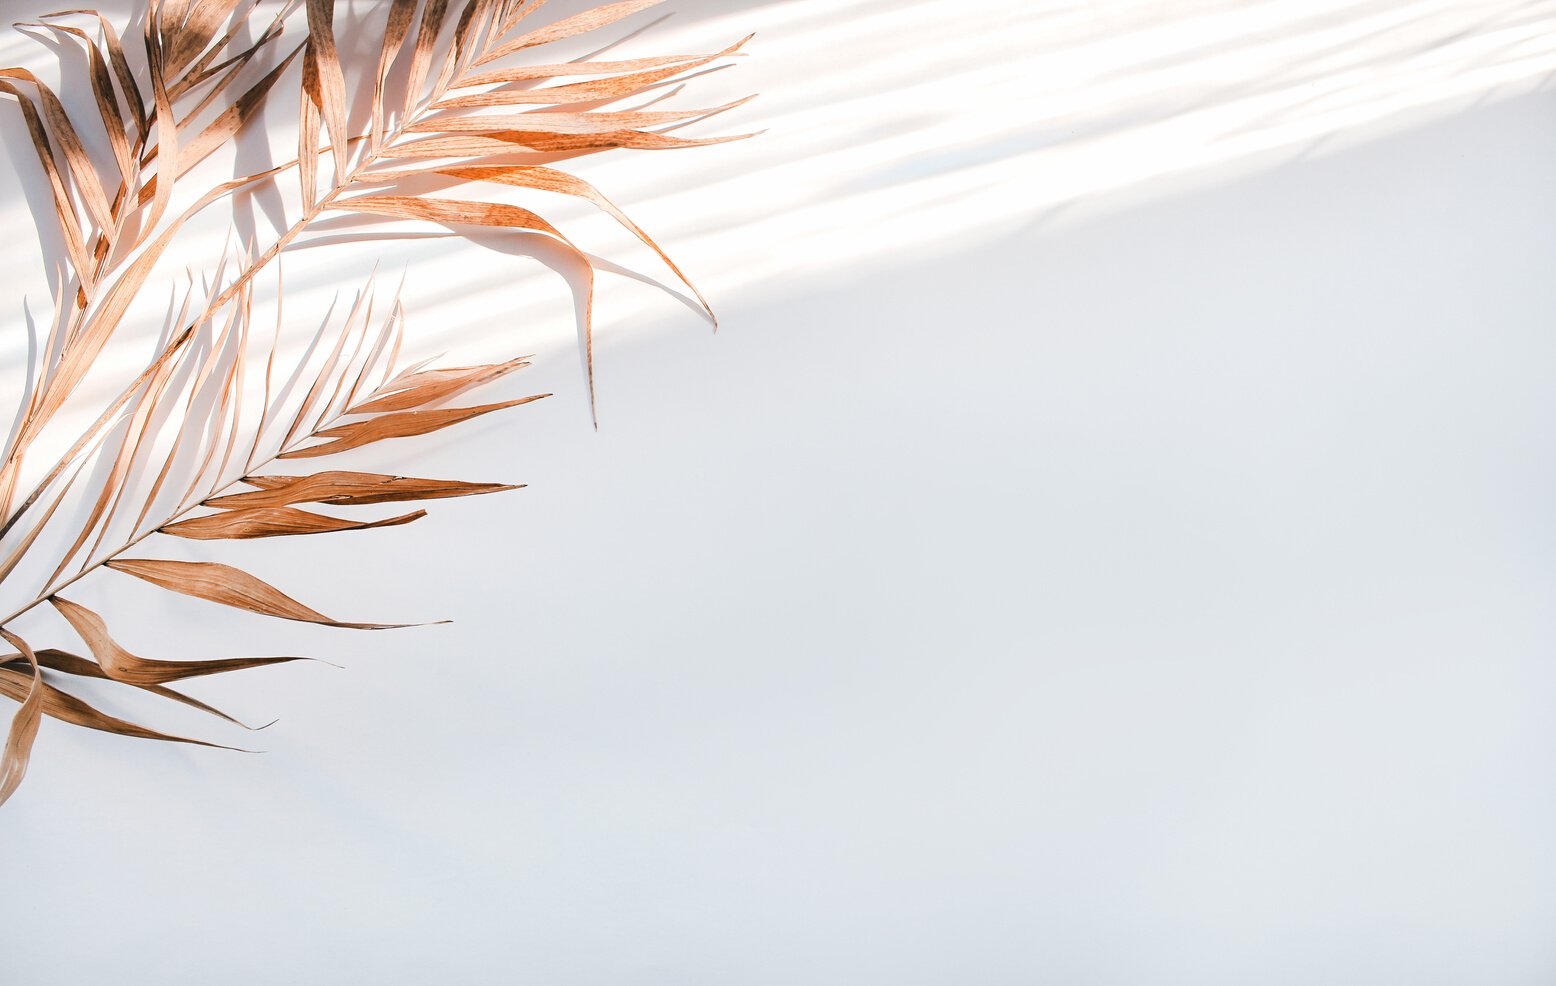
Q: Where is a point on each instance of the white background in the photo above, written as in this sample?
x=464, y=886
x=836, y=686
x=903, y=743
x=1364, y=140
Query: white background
x=1110, y=540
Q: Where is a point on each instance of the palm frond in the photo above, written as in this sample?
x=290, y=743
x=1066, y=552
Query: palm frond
x=184, y=450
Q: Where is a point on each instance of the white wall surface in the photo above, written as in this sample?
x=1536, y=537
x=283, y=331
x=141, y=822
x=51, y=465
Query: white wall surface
x=1110, y=540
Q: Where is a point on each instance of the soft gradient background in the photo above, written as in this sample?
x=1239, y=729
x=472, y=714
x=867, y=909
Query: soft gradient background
x=1110, y=541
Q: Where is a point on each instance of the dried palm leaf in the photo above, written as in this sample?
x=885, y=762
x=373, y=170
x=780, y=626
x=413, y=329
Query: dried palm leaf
x=180, y=451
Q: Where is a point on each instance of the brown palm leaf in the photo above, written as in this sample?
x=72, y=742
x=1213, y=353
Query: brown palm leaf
x=184, y=450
